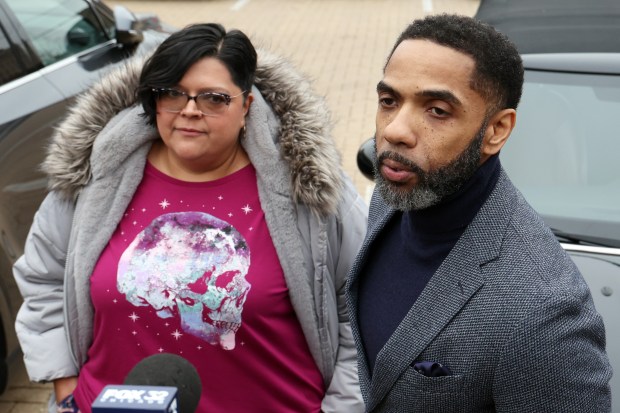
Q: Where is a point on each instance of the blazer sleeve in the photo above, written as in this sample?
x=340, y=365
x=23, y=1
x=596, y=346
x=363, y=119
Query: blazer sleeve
x=555, y=360
x=343, y=393
x=39, y=274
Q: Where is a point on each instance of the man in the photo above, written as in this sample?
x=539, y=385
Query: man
x=461, y=299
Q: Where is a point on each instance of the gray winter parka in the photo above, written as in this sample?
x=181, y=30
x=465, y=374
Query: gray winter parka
x=95, y=162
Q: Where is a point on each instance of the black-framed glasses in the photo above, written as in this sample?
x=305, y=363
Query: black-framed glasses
x=208, y=103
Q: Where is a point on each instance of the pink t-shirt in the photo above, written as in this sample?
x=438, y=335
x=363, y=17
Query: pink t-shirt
x=191, y=270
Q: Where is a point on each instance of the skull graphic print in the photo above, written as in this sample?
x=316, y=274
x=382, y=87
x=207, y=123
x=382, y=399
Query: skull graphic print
x=190, y=265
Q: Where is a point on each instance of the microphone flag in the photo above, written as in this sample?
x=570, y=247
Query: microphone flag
x=136, y=399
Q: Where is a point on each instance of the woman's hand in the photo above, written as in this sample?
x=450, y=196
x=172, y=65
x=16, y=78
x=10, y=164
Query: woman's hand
x=64, y=387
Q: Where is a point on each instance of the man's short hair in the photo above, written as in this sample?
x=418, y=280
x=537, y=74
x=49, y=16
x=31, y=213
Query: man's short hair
x=498, y=72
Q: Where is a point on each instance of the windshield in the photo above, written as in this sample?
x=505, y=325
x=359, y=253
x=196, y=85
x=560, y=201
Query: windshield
x=60, y=28
x=563, y=153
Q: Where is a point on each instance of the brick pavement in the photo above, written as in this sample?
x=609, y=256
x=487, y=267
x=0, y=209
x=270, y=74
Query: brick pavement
x=340, y=44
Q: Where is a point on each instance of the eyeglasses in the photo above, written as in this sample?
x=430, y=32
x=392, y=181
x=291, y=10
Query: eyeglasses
x=208, y=103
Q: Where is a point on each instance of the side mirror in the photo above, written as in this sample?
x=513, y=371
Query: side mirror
x=125, y=21
x=79, y=37
x=366, y=158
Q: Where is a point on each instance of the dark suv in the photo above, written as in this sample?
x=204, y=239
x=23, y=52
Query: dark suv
x=50, y=51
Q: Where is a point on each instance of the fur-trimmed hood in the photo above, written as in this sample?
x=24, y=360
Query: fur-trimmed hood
x=304, y=140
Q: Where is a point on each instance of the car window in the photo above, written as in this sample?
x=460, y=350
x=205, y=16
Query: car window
x=9, y=66
x=563, y=153
x=58, y=28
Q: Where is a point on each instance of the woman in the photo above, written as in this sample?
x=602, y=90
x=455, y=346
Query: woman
x=212, y=221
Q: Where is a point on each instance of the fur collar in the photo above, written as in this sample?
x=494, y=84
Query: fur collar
x=304, y=140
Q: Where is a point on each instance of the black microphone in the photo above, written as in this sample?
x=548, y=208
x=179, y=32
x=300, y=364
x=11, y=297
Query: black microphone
x=158, y=375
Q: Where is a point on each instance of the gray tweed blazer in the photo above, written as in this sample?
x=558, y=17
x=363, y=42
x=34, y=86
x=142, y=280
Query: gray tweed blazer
x=507, y=312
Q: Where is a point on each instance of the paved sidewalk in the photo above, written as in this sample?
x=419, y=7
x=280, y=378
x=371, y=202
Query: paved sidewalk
x=340, y=44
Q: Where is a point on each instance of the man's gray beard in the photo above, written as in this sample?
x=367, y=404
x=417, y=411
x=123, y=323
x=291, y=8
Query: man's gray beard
x=433, y=186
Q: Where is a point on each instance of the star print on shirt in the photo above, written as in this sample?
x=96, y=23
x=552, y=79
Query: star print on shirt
x=239, y=208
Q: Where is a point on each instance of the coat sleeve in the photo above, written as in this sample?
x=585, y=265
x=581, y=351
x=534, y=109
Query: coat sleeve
x=555, y=360
x=343, y=393
x=39, y=274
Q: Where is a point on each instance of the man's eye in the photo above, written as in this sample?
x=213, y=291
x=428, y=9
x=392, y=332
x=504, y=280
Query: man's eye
x=387, y=101
x=438, y=111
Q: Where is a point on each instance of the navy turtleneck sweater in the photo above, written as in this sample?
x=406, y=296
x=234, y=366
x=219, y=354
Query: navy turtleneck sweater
x=408, y=252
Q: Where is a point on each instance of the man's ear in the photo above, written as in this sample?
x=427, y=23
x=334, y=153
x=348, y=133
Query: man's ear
x=498, y=130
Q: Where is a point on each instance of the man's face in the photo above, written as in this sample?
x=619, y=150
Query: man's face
x=430, y=125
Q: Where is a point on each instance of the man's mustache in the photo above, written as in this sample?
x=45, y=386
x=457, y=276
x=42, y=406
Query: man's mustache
x=394, y=156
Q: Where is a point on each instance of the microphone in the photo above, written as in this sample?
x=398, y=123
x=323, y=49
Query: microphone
x=147, y=382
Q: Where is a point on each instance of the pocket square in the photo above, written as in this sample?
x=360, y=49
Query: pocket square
x=431, y=369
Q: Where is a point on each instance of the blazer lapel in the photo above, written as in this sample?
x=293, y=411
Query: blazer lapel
x=450, y=288
x=377, y=219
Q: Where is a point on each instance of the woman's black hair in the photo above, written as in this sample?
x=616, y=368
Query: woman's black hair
x=171, y=60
